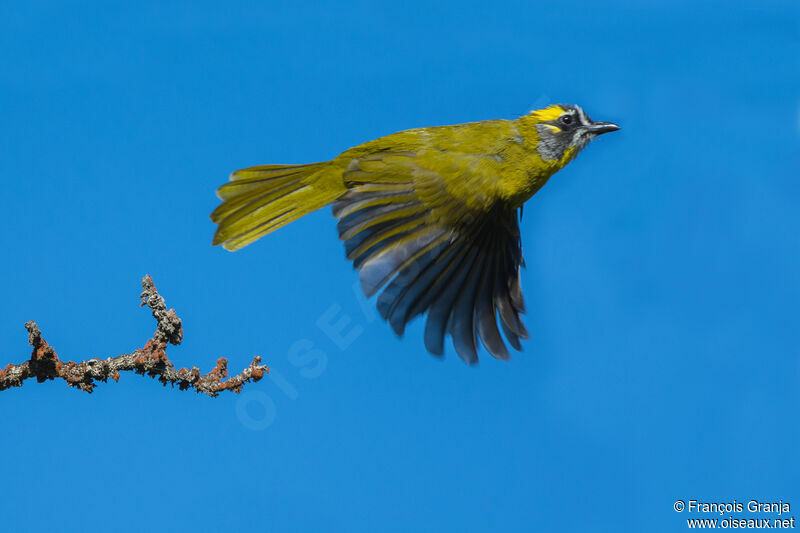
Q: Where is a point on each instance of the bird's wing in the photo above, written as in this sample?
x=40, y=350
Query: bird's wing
x=447, y=250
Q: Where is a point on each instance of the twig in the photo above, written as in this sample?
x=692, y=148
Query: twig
x=152, y=360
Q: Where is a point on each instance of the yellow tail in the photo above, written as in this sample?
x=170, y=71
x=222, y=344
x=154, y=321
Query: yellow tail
x=259, y=200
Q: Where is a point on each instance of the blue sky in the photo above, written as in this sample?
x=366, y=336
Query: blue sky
x=662, y=280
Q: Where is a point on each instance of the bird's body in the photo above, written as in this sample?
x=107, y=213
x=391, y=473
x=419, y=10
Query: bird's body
x=430, y=213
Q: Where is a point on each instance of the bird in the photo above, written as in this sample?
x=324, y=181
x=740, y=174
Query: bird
x=430, y=215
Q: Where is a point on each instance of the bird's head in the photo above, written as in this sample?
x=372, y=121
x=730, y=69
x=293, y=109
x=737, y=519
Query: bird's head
x=564, y=130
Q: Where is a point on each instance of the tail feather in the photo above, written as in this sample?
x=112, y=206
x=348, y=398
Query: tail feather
x=254, y=178
x=259, y=200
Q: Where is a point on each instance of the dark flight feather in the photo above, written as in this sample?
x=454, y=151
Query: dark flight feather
x=461, y=269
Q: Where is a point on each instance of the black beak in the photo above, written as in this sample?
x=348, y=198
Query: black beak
x=601, y=127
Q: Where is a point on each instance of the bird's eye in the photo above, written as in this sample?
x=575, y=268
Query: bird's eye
x=566, y=120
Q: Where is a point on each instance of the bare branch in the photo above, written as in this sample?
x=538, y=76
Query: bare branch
x=152, y=360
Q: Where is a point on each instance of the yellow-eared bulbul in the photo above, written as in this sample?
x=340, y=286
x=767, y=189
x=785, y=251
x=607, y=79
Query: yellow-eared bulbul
x=431, y=214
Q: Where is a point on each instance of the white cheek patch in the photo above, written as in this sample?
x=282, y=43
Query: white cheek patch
x=581, y=140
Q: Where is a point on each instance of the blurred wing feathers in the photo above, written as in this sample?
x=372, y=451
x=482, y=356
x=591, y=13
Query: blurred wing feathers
x=404, y=232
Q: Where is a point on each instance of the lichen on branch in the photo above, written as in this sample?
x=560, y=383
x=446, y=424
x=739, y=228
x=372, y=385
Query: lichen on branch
x=151, y=360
